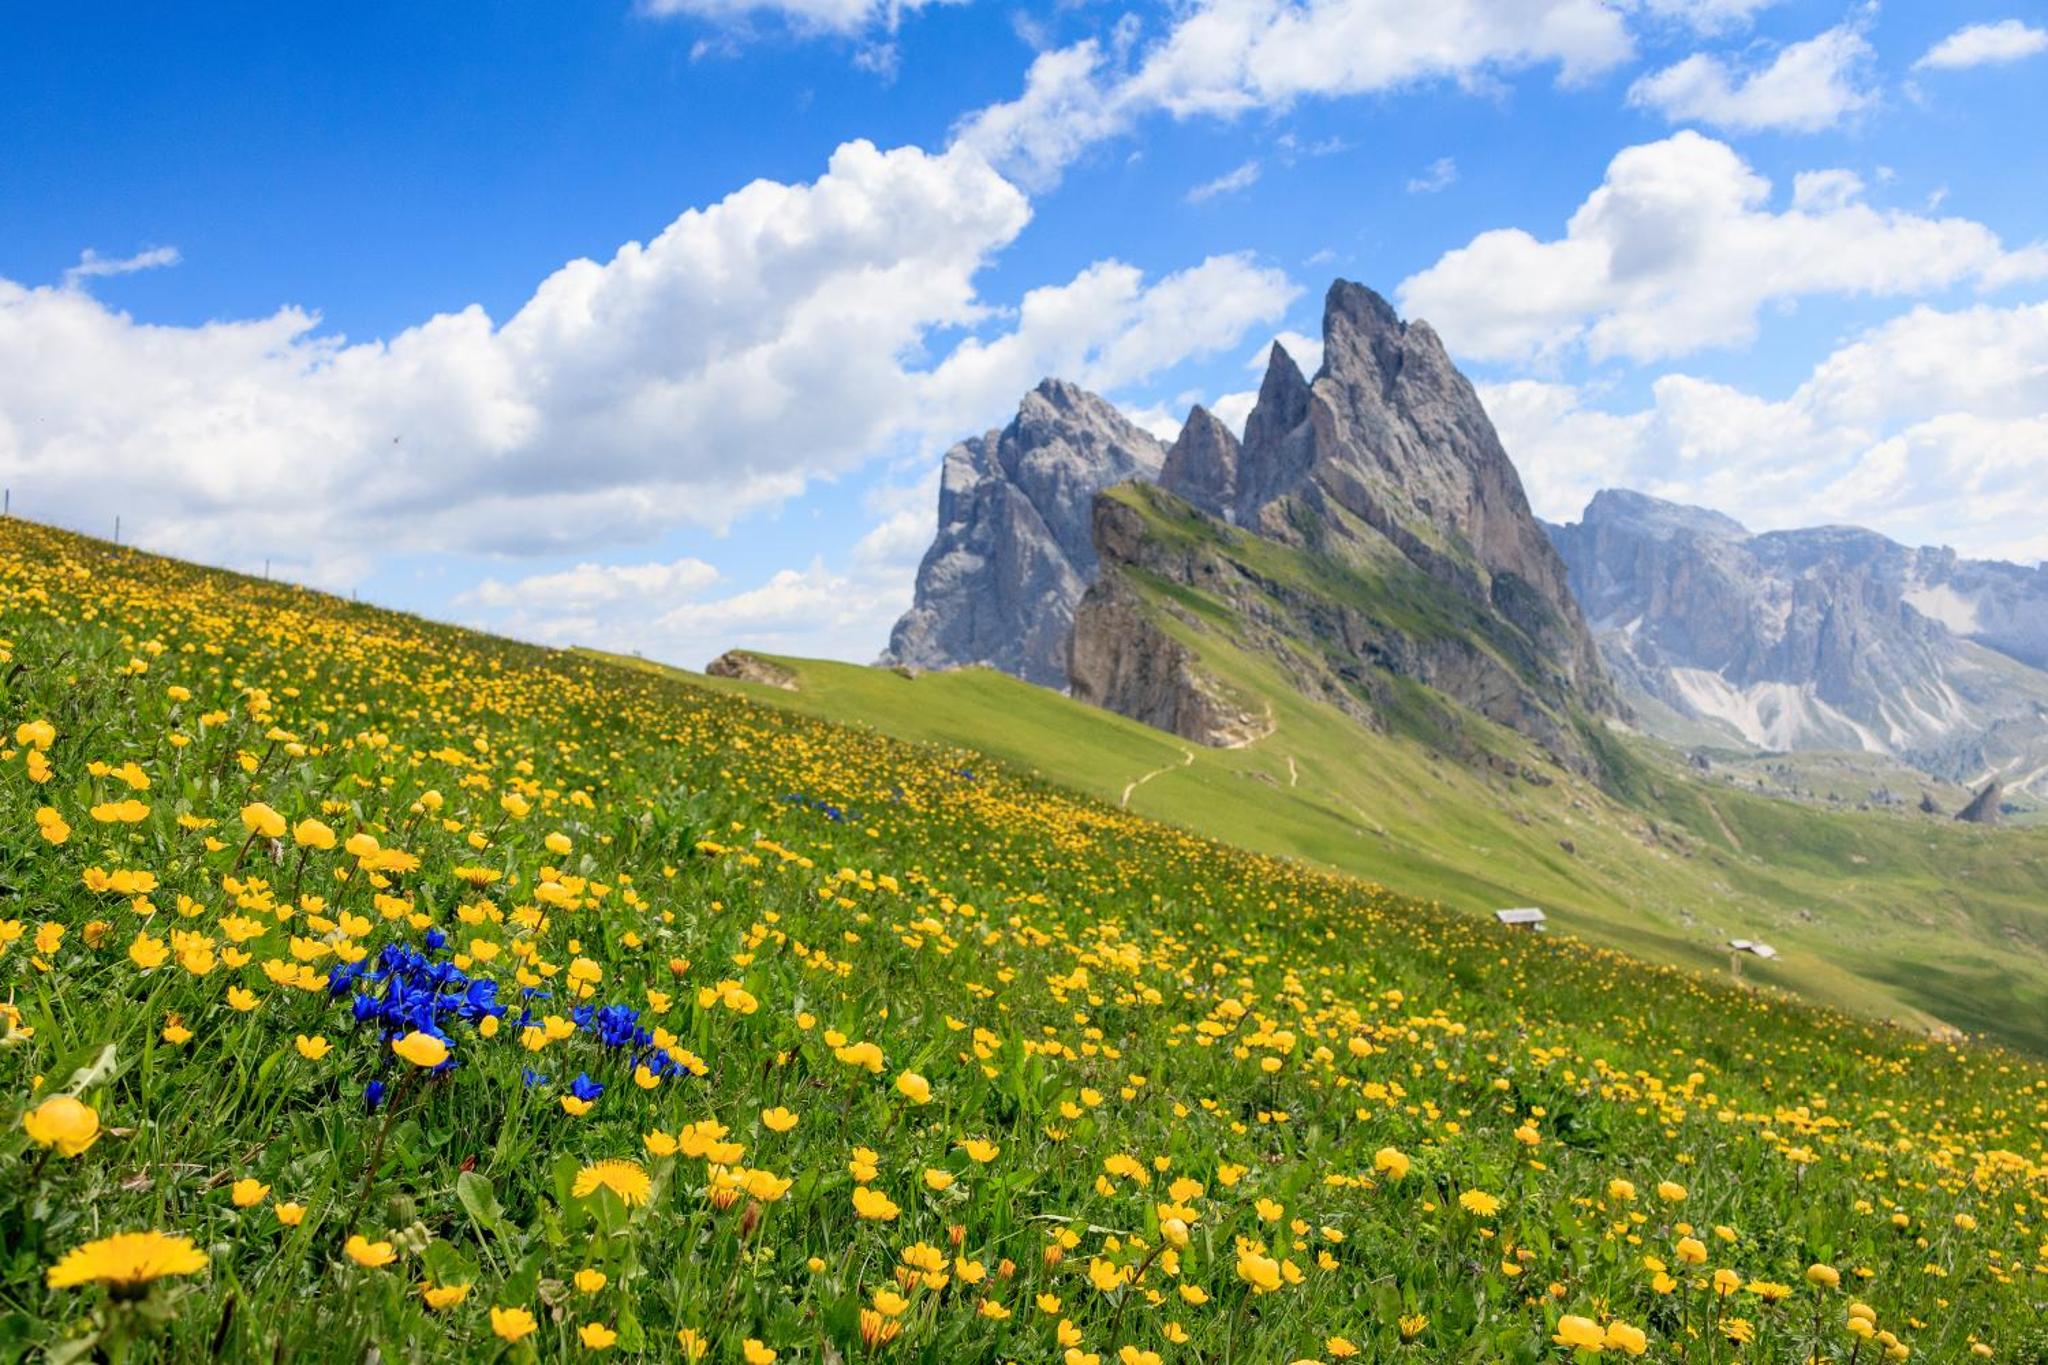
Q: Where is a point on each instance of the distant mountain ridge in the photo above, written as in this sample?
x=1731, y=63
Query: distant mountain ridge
x=1829, y=637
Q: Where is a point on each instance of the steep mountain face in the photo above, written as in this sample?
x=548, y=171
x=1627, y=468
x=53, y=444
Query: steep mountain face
x=1014, y=550
x=1826, y=638
x=1383, y=537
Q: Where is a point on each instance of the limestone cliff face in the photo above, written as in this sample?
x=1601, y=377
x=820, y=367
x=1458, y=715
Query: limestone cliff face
x=1407, y=546
x=1368, y=533
x=1014, y=552
x=1202, y=465
x=1123, y=661
x=1390, y=434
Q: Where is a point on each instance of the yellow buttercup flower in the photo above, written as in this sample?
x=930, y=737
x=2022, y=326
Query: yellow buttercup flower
x=512, y=1324
x=64, y=1122
x=873, y=1205
x=260, y=820
x=421, y=1049
x=365, y=1252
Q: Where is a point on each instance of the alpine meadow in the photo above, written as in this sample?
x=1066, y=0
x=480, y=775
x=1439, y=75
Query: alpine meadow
x=932, y=682
x=371, y=982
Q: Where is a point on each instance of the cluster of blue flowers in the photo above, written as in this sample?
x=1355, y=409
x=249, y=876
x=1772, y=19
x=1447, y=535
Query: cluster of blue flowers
x=824, y=808
x=404, y=989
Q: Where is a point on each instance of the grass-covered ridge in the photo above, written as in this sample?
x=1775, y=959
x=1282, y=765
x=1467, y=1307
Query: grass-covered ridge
x=769, y=1037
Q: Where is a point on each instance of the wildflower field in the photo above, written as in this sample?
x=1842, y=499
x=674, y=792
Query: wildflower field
x=367, y=983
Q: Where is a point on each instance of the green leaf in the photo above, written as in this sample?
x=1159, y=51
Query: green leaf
x=479, y=1199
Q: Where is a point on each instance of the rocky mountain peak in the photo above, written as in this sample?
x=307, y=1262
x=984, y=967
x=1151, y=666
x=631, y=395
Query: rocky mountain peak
x=1013, y=552
x=1391, y=441
x=1655, y=517
x=1201, y=466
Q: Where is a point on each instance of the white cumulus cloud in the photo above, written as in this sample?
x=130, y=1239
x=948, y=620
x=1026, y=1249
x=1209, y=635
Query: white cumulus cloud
x=1931, y=427
x=1678, y=249
x=1806, y=87
x=782, y=334
x=1228, y=57
x=2008, y=40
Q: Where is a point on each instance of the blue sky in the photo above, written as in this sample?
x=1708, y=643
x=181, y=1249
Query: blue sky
x=1804, y=282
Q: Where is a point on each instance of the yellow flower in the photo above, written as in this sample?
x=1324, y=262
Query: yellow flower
x=1390, y=1162
x=590, y=1280
x=1621, y=1191
x=314, y=1048
x=1691, y=1251
x=1479, y=1202
x=64, y=1122
x=1671, y=1192
x=873, y=1205
x=1262, y=1273
x=1825, y=1276
x=512, y=1323
x=778, y=1119
x=1623, y=1336
x=312, y=834
x=291, y=1215
x=914, y=1088
x=148, y=953
x=1578, y=1332
x=755, y=1353
x=626, y=1179
x=365, y=1252
x=127, y=1261
x=247, y=1192
x=693, y=1343
x=175, y=1033
x=421, y=1049
x=980, y=1150
x=440, y=1296
x=596, y=1336
x=258, y=818
x=1341, y=1348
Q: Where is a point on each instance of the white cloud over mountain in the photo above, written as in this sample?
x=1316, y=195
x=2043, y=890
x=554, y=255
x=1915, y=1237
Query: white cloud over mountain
x=777, y=336
x=1931, y=427
x=1679, y=249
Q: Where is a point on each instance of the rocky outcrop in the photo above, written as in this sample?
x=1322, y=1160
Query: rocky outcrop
x=1407, y=551
x=1390, y=437
x=1124, y=661
x=1828, y=638
x=739, y=664
x=1013, y=553
x=1985, y=807
x=1201, y=466
x=1403, y=548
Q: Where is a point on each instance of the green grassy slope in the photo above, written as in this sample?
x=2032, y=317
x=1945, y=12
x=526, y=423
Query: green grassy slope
x=1887, y=914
